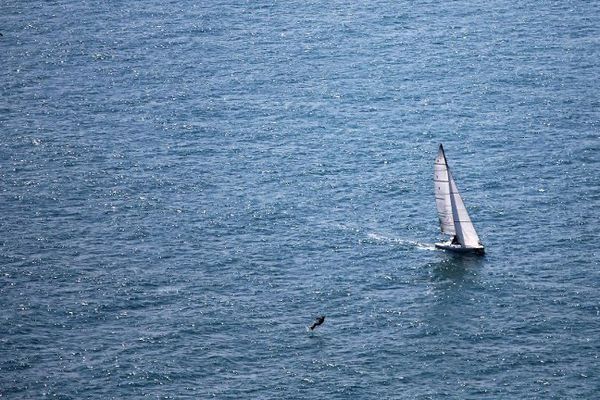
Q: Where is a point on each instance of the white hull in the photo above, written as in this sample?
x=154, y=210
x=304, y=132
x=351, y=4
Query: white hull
x=457, y=248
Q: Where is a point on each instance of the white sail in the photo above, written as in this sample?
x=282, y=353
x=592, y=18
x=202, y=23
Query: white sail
x=465, y=231
x=442, y=193
x=452, y=213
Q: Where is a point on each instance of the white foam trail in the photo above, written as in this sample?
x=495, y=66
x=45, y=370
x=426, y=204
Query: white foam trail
x=404, y=242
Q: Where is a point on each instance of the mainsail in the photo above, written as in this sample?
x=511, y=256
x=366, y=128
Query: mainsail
x=442, y=193
x=454, y=219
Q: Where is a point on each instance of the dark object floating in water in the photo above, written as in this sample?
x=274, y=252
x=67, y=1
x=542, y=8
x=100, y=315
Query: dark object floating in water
x=320, y=319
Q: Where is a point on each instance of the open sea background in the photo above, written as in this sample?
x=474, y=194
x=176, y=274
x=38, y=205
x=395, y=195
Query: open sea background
x=185, y=185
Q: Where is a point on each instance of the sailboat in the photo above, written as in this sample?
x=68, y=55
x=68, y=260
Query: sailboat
x=453, y=215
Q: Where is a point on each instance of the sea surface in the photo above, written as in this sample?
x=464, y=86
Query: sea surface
x=186, y=185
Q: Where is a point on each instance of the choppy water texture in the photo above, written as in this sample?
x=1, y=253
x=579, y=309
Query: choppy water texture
x=186, y=185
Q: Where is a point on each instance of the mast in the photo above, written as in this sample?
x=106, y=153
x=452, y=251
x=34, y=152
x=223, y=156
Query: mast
x=443, y=200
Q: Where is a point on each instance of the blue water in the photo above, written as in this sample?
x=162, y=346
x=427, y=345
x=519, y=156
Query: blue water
x=185, y=185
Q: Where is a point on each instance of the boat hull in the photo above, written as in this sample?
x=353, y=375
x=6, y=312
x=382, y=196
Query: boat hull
x=460, y=249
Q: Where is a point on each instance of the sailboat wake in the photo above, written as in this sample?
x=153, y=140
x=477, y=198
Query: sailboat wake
x=379, y=238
